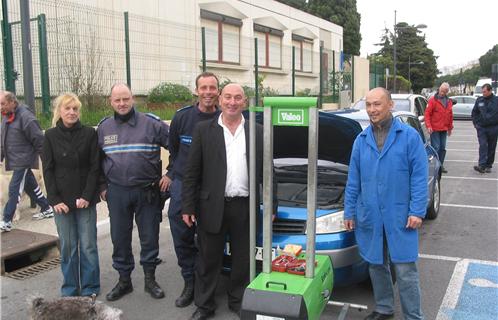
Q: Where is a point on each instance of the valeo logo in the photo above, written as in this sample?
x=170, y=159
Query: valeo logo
x=290, y=117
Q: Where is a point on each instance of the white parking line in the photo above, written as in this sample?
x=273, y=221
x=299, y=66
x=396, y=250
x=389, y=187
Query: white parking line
x=467, y=206
x=462, y=150
x=470, y=178
x=462, y=141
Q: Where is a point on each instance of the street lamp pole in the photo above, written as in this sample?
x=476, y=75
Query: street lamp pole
x=394, y=54
x=395, y=57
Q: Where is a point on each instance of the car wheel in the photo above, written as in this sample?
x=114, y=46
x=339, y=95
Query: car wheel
x=433, y=209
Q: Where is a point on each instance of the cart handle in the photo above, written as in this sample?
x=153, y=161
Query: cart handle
x=277, y=283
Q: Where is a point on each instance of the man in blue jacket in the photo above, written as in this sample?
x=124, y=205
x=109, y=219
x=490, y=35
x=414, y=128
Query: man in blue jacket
x=386, y=200
x=485, y=119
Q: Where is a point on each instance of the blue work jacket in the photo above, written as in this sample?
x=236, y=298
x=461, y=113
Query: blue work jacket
x=383, y=189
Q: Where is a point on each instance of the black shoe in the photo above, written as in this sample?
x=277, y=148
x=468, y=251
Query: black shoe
x=479, y=169
x=235, y=309
x=487, y=170
x=200, y=314
x=443, y=170
x=187, y=295
x=152, y=287
x=123, y=287
x=379, y=316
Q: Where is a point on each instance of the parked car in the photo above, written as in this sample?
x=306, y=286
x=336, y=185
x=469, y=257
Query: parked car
x=337, y=133
x=463, y=107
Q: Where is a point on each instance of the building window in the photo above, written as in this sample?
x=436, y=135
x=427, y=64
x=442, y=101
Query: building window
x=222, y=37
x=269, y=46
x=304, y=53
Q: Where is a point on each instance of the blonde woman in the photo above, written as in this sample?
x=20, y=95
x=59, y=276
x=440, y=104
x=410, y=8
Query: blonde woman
x=71, y=168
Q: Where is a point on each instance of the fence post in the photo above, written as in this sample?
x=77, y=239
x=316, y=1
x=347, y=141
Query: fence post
x=352, y=78
x=293, y=70
x=256, y=71
x=43, y=51
x=127, y=48
x=203, y=36
x=333, y=76
x=27, y=56
x=8, y=54
x=320, y=96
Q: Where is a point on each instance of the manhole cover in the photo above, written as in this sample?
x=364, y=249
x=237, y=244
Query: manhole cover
x=34, y=269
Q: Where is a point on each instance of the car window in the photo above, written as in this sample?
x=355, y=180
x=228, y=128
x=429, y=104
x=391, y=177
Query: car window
x=418, y=107
x=402, y=105
x=469, y=100
x=423, y=103
x=414, y=123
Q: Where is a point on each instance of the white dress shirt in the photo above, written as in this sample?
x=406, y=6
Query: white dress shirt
x=237, y=179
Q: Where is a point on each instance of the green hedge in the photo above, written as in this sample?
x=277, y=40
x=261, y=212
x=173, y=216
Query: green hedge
x=167, y=92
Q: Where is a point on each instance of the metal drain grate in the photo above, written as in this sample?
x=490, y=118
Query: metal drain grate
x=34, y=269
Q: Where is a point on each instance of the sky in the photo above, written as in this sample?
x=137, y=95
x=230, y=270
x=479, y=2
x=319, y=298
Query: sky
x=457, y=31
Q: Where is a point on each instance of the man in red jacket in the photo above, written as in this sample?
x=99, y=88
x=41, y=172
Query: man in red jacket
x=439, y=120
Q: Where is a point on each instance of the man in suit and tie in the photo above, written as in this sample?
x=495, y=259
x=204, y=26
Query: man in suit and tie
x=216, y=197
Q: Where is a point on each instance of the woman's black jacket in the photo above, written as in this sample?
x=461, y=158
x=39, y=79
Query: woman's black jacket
x=71, y=164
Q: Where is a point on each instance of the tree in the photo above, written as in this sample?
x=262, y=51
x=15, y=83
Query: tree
x=414, y=59
x=340, y=12
x=488, y=59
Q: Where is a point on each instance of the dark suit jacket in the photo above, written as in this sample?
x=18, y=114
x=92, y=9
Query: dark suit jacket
x=71, y=165
x=204, y=180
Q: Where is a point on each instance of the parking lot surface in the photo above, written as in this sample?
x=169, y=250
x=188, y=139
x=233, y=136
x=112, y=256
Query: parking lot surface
x=458, y=262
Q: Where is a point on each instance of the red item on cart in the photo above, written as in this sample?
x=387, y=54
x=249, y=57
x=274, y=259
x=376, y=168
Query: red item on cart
x=298, y=266
x=281, y=262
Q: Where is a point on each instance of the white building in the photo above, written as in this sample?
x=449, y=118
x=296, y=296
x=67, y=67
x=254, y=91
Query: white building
x=88, y=37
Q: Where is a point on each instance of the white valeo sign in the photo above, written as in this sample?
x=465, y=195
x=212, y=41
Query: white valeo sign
x=290, y=116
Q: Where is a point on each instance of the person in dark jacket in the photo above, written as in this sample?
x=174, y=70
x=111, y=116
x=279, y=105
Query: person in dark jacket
x=131, y=144
x=180, y=139
x=439, y=120
x=71, y=165
x=22, y=140
x=485, y=119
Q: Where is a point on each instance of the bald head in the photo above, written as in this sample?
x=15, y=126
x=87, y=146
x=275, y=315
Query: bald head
x=232, y=101
x=121, y=98
x=234, y=87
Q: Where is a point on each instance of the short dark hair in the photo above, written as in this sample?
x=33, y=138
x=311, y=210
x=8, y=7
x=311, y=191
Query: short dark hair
x=487, y=86
x=206, y=75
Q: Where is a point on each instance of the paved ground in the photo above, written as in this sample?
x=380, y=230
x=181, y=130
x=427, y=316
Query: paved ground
x=458, y=261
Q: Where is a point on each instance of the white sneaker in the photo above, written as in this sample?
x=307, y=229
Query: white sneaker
x=5, y=226
x=49, y=213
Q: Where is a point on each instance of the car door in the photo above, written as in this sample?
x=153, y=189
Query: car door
x=459, y=107
x=413, y=122
x=469, y=105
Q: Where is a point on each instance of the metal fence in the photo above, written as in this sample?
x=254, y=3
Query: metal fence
x=88, y=49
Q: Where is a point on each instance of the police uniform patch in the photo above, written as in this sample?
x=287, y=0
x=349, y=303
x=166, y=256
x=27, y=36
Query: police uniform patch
x=111, y=139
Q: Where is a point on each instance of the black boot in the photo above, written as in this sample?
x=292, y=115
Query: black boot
x=187, y=295
x=123, y=287
x=152, y=287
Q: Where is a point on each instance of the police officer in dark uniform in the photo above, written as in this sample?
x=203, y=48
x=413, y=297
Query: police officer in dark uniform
x=485, y=119
x=131, y=145
x=180, y=138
